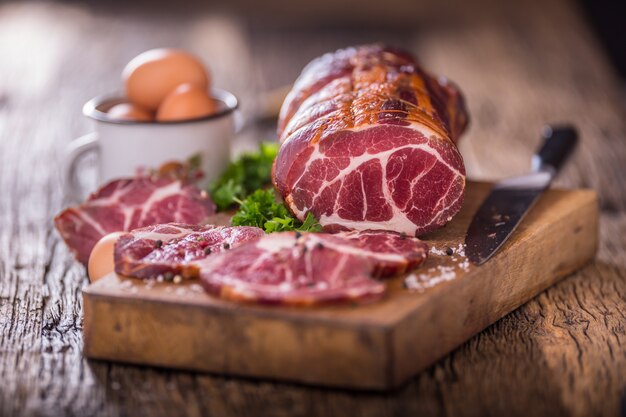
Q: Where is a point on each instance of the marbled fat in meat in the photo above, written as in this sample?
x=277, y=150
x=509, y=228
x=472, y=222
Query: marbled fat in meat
x=172, y=248
x=127, y=204
x=306, y=269
x=368, y=141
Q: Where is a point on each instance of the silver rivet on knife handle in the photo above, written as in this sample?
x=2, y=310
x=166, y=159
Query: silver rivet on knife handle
x=510, y=199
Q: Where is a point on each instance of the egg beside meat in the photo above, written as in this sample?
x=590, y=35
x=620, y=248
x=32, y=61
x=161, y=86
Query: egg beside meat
x=101, y=262
x=152, y=75
x=186, y=102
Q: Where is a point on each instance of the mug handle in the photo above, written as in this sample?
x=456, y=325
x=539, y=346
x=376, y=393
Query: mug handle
x=73, y=153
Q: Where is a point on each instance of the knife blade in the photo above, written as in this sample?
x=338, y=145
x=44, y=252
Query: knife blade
x=511, y=199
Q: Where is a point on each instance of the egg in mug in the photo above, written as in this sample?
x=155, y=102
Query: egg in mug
x=187, y=101
x=130, y=111
x=170, y=83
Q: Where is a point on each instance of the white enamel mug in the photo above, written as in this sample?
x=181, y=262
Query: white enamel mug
x=128, y=147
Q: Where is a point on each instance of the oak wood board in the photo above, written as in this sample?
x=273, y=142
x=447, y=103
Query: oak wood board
x=376, y=346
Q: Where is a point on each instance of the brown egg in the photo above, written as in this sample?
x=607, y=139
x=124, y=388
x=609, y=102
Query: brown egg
x=129, y=111
x=101, y=258
x=186, y=102
x=152, y=75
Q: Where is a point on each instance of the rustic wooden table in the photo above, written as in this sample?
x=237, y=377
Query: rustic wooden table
x=520, y=66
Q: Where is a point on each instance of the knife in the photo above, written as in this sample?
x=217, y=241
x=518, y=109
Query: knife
x=510, y=199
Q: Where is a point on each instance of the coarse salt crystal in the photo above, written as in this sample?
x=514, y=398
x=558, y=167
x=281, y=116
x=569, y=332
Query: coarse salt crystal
x=436, y=251
x=196, y=288
x=460, y=250
x=464, y=265
x=126, y=284
x=423, y=281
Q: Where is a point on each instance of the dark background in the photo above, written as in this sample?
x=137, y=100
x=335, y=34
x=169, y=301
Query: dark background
x=365, y=19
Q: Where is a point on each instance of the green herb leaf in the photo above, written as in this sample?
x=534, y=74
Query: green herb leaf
x=310, y=224
x=261, y=209
x=224, y=196
x=248, y=173
x=278, y=224
x=241, y=184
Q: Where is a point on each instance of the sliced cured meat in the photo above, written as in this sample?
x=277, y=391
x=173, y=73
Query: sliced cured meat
x=128, y=204
x=391, y=253
x=368, y=142
x=310, y=268
x=170, y=249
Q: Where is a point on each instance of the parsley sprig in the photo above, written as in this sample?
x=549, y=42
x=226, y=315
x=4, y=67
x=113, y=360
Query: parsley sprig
x=250, y=172
x=242, y=184
x=261, y=209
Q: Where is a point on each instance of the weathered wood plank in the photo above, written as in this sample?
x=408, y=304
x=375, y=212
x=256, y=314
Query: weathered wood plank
x=521, y=65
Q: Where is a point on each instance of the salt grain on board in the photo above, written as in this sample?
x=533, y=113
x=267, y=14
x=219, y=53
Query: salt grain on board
x=436, y=251
x=196, y=288
x=127, y=284
x=464, y=265
x=459, y=250
x=423, y=281
x=440, y=273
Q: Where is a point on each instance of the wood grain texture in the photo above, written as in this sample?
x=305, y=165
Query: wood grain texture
x=521, y=64
x=375, y=346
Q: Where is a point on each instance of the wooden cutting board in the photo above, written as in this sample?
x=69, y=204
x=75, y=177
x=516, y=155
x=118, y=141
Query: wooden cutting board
x=377, y=346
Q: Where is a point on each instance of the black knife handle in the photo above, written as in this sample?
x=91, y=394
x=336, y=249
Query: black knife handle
x=558, y=142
